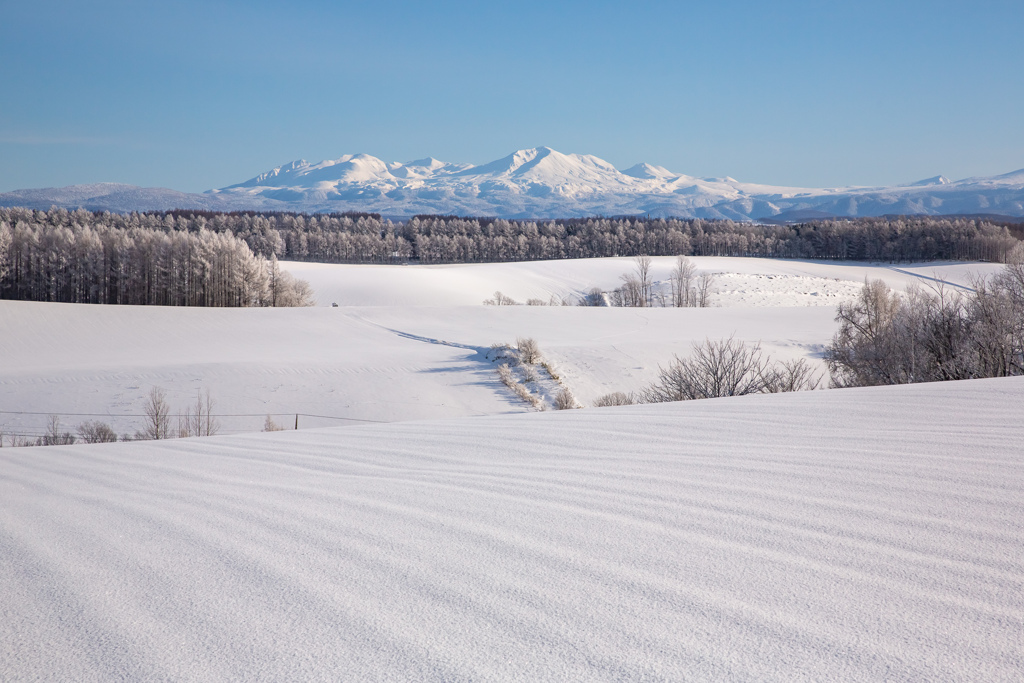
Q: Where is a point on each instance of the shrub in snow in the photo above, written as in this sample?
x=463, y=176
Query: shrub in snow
x=55, y=436
x=529, y=352
x=270, y=426
x=793, y=375
x=96, y=432
x=564, y=400
x=595, y=297
x=500, y=300
x=616, y=398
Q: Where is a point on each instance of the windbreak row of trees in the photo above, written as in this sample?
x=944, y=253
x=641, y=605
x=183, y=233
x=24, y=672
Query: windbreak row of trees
x=369, y=238
x=89, y=260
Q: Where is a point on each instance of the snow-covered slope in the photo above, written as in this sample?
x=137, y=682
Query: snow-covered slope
x=541, y=183
x=407, y=342
x=789, y=282
x=850, y=535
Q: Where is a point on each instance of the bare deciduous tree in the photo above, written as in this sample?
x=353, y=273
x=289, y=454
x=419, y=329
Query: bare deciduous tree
x=158, y=421
x=55, y=435
x=681, y=279
x=643, y=279
x=705, y=282
x=198, y=419
x=714, y=369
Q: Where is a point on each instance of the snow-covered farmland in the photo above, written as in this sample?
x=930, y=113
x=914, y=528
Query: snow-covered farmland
x=406, y=342
x=783, y=282
x=854, y=535
x=861, y=534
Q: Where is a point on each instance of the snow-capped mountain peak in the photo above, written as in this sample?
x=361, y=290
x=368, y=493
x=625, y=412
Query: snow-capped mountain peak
x=540, y=182
x=936, y=180
x=649, y=172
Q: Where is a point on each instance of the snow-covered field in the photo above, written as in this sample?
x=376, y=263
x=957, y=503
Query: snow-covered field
x=406, y=342
x=869, y=534
x=792, y=282
x=853, y=535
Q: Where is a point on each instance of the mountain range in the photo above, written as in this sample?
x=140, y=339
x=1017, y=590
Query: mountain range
x=538, y=183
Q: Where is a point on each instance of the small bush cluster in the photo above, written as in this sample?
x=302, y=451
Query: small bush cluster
x=95, y=431
x=269, y=425
x=500, y=299
x=616, y=398
x=687, y=287
x=197, y=420
x=520, y=370
x=518, y=388
x=57, y=435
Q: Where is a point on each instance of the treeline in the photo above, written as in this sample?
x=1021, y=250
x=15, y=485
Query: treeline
x=448, y=239
x=198, y=258
x=83, y=257
x=369, y=238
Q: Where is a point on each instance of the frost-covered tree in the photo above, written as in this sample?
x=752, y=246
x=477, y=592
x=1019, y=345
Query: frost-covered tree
x=5, y=245
x=930, y=335
x=80, y=257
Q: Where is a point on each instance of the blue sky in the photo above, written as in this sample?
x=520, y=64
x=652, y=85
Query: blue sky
x=195, y=95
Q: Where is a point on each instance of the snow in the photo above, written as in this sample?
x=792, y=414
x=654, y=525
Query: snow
x=539, y=183
x=544, y=183
x=405, y=343
x=358, y=363
x=470, y=284
x=855, y=535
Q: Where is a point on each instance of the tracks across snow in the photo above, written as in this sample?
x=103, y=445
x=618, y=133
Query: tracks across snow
x=932, y=279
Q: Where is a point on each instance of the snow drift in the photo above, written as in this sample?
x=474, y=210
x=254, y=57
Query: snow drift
x=862, y=534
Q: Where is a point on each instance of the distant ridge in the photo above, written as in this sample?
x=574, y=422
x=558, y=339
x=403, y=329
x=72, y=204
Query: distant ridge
x=540, y=183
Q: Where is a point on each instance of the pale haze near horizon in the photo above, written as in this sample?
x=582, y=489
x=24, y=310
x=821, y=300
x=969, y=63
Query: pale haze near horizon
x=202, y=95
